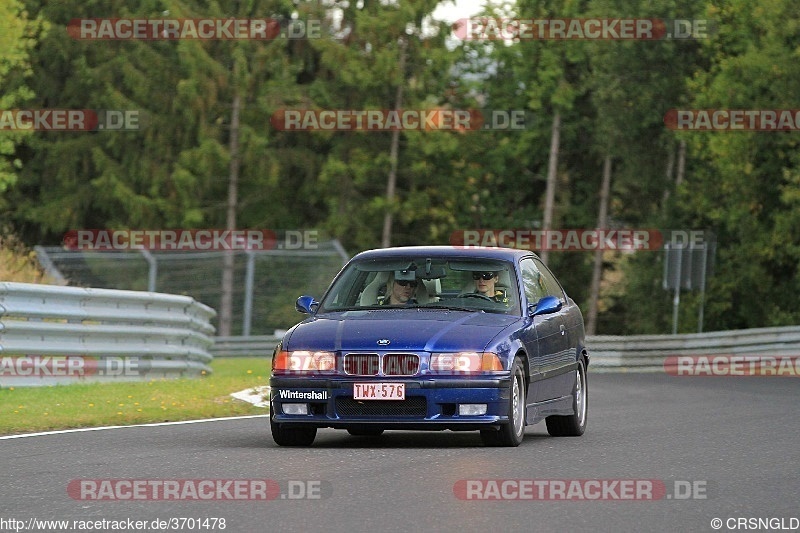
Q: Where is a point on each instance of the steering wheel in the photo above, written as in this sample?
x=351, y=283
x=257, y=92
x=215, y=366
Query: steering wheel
x=474, y=295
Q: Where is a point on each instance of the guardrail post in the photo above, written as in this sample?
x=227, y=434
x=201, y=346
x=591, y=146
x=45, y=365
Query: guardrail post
x=676, y=300
x=152, y=271
x=47, y=264
x=701, y=313
x=249, y=278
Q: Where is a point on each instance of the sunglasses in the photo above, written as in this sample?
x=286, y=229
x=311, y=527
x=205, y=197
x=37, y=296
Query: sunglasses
x=482, y=275
x=405, y=282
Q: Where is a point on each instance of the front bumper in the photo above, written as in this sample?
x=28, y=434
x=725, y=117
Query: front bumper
x=431, y=403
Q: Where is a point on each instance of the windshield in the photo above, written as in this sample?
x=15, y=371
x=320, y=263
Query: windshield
x=472, y=284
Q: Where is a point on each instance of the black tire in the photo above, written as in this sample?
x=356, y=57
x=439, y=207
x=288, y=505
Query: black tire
x=365, y=431
x=292, y=436
x=573, y=425
x=511, y=434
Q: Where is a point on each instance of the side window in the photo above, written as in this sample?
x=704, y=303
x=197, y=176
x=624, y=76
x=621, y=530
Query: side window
x=551, y=285
x=533, y=281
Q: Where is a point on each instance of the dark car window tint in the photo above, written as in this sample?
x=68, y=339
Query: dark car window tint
x=532, y=280
x=549, y=281
x=438, y=282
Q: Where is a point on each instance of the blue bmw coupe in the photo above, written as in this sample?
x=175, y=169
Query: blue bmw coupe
x=433, y=338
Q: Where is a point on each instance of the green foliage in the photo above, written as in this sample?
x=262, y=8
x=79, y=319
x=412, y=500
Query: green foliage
x=744, y=185
x=611, y=96
x=18, y=36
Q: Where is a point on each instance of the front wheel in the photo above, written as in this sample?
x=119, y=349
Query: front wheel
x=511, y=434
x=575, y=424
x=292, y=436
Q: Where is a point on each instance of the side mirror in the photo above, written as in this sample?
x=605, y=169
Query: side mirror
x=545, y=306
x=306, y=305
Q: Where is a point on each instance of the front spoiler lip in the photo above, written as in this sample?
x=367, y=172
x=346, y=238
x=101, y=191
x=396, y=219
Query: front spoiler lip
x=493, y=422
x=411, y=382
x=499, y=386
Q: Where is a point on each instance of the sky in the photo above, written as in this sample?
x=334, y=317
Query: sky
x=452, y=10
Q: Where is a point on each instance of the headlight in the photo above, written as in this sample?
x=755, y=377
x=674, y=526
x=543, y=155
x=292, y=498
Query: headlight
x=304, y=361
x=465, y=363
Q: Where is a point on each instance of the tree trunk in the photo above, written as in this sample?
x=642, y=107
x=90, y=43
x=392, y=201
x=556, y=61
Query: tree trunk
x=391, y=182
x=552, y=172
x=597, y=270
x=226, y=305
x=668, y=174
x=681, y=163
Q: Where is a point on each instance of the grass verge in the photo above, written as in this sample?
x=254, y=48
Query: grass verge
x=17, y=263
x=32, y=409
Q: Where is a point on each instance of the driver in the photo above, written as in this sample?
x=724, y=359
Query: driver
x=400, y=289
x=485, y=285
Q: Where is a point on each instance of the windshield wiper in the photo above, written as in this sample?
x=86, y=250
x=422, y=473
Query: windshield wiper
x=371, y=308
x=355, y=308
x=453, y=308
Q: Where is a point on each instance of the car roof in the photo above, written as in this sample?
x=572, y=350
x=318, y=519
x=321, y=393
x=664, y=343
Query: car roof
x=507, y=254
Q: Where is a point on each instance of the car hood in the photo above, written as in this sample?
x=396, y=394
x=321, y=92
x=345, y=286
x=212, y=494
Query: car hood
x=405, y=329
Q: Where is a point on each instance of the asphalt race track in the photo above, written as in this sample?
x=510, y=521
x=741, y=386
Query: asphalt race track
x=712, y=447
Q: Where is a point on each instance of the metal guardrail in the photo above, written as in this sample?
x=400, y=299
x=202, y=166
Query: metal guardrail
x=255, y=346
x=647, y=353
x=266, y=281
x=51, y=334
x=609, y=353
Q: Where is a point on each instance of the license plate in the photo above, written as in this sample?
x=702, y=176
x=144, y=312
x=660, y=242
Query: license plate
x=379, y=391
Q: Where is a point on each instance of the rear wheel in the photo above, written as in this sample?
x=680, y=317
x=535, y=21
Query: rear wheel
x=575, y=424
x=511, y=434
x=291, y=435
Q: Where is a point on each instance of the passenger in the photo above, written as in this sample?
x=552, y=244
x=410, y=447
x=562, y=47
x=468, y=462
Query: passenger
x=485, y=285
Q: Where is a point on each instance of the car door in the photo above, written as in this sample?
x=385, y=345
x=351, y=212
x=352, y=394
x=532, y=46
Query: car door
x=552, y=366
x=557, y=371
x=541, y=332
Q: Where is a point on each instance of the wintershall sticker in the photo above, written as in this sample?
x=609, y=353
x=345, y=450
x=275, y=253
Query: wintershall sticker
x=733, y=119
x=580, y=489
x=197, y=489
x=733, y=365
x=302, y=395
